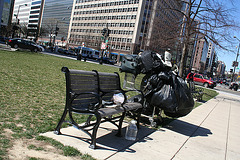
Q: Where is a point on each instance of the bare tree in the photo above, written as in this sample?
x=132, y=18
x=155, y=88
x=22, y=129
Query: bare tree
x=210, y=19
x=215, y=23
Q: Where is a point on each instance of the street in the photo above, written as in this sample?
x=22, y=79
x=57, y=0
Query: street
x=225, y=88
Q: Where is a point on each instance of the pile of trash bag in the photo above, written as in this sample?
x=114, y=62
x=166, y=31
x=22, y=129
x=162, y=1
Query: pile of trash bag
x=161, y=86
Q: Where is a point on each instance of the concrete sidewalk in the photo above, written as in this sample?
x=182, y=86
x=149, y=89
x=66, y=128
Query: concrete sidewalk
x=209, y=132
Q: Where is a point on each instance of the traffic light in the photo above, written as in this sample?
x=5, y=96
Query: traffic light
x=104, y=31
x=15, y=27
x=108, y=32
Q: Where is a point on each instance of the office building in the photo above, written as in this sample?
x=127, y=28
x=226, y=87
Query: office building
x=210, y=56
x=133, y=24
x=27, y=14
x=55, y=20
x=200, y=56
x=6, y=8
x=21, y=11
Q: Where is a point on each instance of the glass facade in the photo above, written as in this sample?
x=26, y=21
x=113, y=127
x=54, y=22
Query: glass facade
x=56, y=13
x=4, y=11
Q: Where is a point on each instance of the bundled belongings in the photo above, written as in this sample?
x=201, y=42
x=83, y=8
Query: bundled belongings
x=129, y=64
x=147, y=62
x=174, y=97
x=162, y=88
x=150, y=62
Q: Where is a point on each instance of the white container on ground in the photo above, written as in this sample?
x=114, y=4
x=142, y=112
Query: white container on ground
x=131, y=131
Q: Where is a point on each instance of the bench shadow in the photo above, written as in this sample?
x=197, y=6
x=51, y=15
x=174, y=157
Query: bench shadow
x=114, y=143
x=111, y=142
x=187, y=129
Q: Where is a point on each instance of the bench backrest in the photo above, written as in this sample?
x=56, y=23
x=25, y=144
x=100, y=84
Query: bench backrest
x=108, y=82
x=77, y=83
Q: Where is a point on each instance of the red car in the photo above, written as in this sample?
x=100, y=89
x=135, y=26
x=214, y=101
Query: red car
x=200, y=80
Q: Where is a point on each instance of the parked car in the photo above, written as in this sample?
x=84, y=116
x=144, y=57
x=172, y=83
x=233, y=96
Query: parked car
x=71, y=52
x=219, y=81
x=60, y=50
x=200, y=80
x=235, y=85
x=3, y=40
x=24, y=44
x=106, y=60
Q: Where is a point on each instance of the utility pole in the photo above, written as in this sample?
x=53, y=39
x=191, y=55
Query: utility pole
x=55, y=34
x=236, y=61
x=105, y=34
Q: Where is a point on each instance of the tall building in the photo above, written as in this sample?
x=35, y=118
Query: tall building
x=55, y=20
x=209, y=60
x=133, y=24
x=221, y=69
x=21, y=11
x=6, y=7
x=27, y=13
x=35, y=18
x=200, y=56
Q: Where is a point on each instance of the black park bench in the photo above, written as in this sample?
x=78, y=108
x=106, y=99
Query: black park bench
x=90, y=93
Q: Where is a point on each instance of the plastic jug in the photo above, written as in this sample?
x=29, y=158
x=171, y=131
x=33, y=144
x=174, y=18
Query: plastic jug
x=131, y=132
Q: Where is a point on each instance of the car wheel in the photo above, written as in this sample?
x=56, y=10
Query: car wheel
x=79, y=57
x=205, y=85
x=15, y=46
x=235, y=88
x=35, y=50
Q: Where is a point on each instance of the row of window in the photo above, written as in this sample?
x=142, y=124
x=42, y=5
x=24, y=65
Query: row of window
x=37, y=11
x=106, y=17
x=113, y=39
x=111, y=3
x=112, y=46
x=133, y=9
x=104, y=24
x=36, y=2
x=123, y=32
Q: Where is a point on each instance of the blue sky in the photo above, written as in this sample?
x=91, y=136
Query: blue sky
x=223, y=55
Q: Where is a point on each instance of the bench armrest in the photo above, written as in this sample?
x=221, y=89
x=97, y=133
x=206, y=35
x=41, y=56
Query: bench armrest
x=136, y=90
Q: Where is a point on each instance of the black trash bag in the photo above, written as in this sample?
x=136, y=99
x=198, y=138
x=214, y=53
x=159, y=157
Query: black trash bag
x=150, y=84
x=174, y=98
x=165, y=99
x=184, y=98
x=148, y=62
x=129, y=64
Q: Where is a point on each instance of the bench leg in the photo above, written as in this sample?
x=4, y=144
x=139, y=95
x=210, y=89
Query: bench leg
x=94, y=132
x=138, y=117
x=57, y=130
x=119, y=134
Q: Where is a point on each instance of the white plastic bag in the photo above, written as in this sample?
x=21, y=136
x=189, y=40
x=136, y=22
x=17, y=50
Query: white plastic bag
x=118, y=98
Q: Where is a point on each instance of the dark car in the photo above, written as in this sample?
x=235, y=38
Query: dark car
x=106, y=60
x=3, y=40
x=24, y=44
x=63, y=51
x=235, y=85
x=200, y=80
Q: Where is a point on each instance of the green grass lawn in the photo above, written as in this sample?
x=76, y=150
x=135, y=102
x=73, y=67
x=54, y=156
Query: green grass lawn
x=32, y=95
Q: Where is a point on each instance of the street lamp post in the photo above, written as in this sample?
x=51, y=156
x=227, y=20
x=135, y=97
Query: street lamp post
x=19, y=10
x=234, y=68
x=16, y=27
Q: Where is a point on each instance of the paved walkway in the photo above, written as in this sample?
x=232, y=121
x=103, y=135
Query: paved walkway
x=209, y=132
